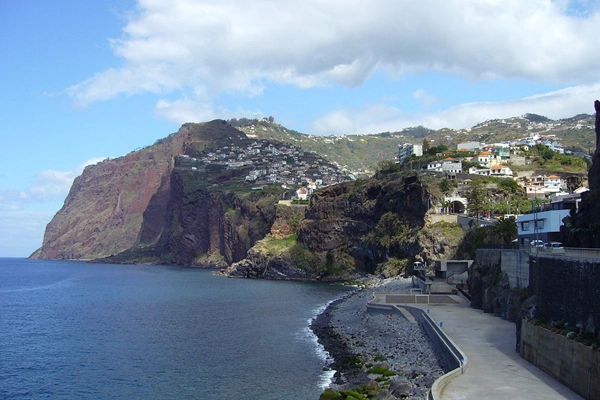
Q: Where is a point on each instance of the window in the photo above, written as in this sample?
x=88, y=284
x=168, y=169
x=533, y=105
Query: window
x=524, y=226
x=539, y=224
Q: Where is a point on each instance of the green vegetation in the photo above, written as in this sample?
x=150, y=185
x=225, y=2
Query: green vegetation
x=477, y=197
x=394, y=266
x=304, y=259
x=272, y=247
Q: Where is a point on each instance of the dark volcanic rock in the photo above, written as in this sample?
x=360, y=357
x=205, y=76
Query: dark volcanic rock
x=348, y=223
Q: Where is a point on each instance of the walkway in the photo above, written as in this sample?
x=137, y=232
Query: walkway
x=495, y=370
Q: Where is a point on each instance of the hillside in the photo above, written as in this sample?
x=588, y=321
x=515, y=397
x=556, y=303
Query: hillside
x=360, y=154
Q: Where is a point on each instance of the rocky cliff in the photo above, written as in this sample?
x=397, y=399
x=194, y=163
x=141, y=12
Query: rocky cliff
x=366, y=224
x=190, y=214
x=104, y=211
x=357, y=228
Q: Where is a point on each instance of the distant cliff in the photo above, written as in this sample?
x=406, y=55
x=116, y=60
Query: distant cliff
x=193, y=198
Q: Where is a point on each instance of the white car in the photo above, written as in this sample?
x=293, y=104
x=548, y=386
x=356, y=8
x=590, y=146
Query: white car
x=536, y=243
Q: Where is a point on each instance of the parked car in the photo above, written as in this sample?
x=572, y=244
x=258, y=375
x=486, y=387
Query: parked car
x=554, y=247
x=536, y=243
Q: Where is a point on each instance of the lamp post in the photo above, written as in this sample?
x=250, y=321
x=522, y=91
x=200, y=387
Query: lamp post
x=535, y=224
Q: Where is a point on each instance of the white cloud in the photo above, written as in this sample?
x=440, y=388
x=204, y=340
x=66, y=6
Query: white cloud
x=380, y=118
x=51, y=184
x=233, y=45
x=425, y=98
x=21, y=231
x=24, y=214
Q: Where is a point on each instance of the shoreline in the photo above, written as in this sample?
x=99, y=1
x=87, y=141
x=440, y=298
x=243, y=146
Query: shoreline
x=355, y=337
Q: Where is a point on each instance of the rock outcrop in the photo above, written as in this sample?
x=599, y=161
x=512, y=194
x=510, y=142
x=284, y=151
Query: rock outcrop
x=583, y=229
x=357, y=225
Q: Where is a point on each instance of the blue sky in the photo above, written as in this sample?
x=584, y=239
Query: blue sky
x=85, y=80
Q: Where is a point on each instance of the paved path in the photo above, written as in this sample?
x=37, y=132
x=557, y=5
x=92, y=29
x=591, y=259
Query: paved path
x=495, y=370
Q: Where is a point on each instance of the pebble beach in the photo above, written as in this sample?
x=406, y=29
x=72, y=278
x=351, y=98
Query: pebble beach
x=355, y=337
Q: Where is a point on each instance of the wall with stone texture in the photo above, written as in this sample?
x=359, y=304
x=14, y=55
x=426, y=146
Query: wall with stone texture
x=568, y=361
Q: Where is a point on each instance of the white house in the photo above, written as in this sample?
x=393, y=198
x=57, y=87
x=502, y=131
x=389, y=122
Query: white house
x=479, y=171
x=500, y=170
x=552, y=184
x=450, y=166
x=484, y=158
x=302, y=194
x=434, y=166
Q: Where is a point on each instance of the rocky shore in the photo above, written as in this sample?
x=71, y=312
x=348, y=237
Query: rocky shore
x=357, y=338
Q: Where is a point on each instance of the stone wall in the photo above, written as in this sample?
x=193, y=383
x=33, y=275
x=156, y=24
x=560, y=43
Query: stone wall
x=567, y=361
x=568, y=290
x=513, y=263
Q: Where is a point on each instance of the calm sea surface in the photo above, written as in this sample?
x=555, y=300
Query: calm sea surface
x=72, y=330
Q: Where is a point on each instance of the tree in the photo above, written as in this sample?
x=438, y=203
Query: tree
x=506, y=229
x=509, y=185
x=425, y=146
x=445, y=186
x=388, y=166
x=477, y=197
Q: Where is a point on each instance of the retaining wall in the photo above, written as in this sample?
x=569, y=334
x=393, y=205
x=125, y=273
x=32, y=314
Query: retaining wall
x=568, y=290
x=514, y=263
x=455, y=358
x=569, y=362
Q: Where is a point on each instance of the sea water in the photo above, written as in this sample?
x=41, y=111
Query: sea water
x=72, y=330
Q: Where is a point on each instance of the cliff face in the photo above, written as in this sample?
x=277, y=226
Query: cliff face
x=365, y=223
x=166, y=203
x=212, y=228
x=103, y=212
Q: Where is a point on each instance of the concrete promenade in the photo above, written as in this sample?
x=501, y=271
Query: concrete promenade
x=494, y=370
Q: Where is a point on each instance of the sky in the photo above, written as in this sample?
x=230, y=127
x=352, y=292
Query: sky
x=85, y=80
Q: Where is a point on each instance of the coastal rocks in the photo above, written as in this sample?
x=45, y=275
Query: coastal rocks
x=356, y=337
x=259, y=265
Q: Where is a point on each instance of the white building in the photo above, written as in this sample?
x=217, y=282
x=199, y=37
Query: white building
x=469, y=146
x=484, y=158
x=408, y=149
x=450, y=166
x=552, y=184
x=500, y=170
x=434, y=166
x=544, y=226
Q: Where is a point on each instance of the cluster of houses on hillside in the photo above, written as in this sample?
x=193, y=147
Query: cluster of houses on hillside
x=266, y=162
x=493, y=160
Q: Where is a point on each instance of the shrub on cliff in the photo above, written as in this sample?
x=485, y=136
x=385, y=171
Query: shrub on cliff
x=304, y=259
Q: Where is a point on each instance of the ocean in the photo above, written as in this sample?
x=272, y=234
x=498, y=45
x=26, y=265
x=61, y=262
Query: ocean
x=73, y=330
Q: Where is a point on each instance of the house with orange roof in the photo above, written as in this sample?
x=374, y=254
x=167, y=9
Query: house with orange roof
x=552, y=184
x=500, y=170
x=484, y=158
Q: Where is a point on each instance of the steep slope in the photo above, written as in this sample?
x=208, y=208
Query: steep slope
x=103, y=211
